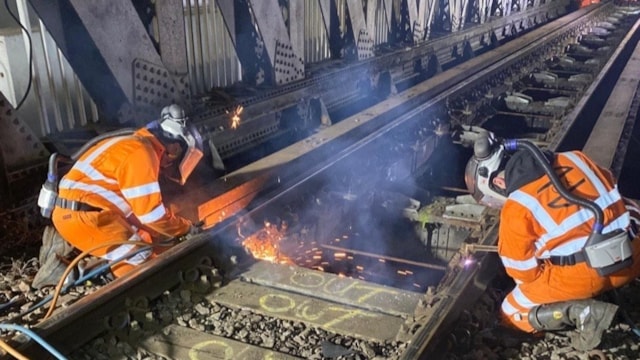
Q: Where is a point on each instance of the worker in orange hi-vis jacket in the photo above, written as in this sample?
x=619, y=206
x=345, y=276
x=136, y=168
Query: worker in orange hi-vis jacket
x=112, y=192
x=542, y=235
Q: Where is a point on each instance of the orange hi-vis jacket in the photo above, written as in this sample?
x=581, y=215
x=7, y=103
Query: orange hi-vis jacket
x=536, y=223
x=119, y=177
x=540, y=223
x=121, y=174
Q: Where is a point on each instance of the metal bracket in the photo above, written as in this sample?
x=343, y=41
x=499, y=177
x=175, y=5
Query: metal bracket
x=287, y=66
x=154, y=87
x=365, y=45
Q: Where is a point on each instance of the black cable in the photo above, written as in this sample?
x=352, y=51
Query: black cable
x=6, y=4
x=540, y=158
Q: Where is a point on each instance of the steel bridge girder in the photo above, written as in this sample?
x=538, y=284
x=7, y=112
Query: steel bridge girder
x=113, y=55
x=363, y=40
x=286, y=60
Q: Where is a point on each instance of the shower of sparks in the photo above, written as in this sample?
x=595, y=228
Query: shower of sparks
x=265, y=244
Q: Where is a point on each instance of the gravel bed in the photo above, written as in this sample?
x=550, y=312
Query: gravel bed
x=190, y=309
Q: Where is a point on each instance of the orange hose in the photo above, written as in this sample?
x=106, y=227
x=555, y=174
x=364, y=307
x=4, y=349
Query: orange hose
x=13, y=352
x=77, y=260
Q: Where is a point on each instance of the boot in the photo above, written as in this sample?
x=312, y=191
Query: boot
x=52, y=259
x=589, y=318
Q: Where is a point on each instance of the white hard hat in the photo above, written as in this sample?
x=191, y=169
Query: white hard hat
x=487, y=161
x=174, y=112
x=174, y=125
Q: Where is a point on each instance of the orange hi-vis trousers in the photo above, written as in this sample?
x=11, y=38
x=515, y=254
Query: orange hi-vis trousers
x=87, y=229
x=563, y=283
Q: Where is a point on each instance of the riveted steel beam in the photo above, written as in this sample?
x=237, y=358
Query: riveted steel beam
x=457, y=12
x=414, y=25
x=362, y=39
x=420, y=16
x=113, y=55
x=286, y=61
x=269, y=46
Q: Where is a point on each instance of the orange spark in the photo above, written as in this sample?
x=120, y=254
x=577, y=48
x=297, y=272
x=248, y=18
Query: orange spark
x=265, y=244
x=235, y=117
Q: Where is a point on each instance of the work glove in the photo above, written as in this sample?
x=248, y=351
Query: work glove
x=196, y=228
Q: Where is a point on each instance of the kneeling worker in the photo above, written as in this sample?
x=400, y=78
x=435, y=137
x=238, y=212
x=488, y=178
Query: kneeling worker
x=112, y=192
x=542, y=235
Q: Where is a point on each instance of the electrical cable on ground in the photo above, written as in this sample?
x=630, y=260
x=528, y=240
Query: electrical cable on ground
x=35, y=337
x=59, y=290
x=86, y=253
x=97, y=271
x=13, y=352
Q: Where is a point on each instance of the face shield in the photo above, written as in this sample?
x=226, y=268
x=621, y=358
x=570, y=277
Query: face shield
x=479, y=175
x=192, y=155
x=174, y=125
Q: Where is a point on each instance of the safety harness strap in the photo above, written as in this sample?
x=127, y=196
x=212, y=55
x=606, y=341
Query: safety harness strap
x=75, y=205
x=575, y=258
x=567, y=260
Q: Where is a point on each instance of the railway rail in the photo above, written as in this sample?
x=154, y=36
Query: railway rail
x=359, y=254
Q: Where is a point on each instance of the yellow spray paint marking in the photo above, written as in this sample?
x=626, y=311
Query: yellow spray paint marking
x=557, y=315
x=302, y=312
x=302, y=279
x=196, y=349
x=267, y=302
x=194, y=352
x=372, y=291
x=316, y=280
x=349, y=314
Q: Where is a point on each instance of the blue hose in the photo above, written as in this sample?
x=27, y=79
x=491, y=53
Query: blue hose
x=98, y=270
x=8, y=304
x=35, y=337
